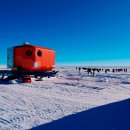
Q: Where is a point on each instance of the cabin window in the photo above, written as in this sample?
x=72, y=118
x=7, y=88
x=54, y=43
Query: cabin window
x=39, y=53
x=28, y=52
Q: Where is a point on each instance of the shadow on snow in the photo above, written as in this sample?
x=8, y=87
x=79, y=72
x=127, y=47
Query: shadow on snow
x=114, y=116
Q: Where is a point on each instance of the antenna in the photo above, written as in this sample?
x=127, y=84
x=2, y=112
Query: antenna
x=26, y=43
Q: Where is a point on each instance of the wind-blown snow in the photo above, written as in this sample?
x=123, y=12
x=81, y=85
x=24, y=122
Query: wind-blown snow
x=24, y=106
x=3, y=67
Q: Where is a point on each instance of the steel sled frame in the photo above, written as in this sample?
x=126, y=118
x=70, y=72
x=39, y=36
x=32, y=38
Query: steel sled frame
x=11, y=74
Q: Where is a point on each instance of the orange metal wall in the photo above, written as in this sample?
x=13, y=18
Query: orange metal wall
x=21, y=60
x=47, y=60
x=34, y=62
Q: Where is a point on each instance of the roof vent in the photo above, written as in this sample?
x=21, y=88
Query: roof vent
x=26, y=43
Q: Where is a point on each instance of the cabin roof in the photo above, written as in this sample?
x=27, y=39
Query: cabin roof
x=29, y=45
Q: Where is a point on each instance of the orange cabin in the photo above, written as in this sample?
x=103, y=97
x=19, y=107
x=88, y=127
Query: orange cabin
x=29, y=57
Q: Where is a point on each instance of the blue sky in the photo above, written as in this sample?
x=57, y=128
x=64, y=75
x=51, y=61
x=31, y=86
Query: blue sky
x=87, y=32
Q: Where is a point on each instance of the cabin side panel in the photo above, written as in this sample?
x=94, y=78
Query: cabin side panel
x=10, y=57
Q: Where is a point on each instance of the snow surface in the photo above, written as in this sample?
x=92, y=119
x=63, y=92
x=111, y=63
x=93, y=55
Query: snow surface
x=25, y=105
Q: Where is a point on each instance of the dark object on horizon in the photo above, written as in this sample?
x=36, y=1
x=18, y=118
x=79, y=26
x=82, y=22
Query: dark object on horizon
x=79, y=70
x=125, y=70
x=113, y=70
x=92, y=71
x=107, y=70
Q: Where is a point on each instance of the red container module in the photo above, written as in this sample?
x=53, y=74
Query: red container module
x=31, y=58
x=26, y=79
